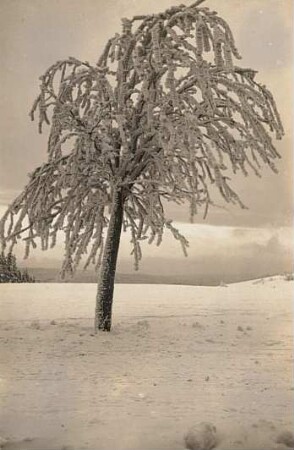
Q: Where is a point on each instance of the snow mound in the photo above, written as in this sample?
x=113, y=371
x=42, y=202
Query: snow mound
x=286, y=438
x=3, y=442
x=288, y=276
x=202, y=437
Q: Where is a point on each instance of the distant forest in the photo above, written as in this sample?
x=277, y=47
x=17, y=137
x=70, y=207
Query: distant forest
x=10, y=273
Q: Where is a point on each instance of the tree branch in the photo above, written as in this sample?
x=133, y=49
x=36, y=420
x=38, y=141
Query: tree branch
x=196, y=3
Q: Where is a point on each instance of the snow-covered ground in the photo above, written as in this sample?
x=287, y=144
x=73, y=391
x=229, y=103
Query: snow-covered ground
x=177, y=356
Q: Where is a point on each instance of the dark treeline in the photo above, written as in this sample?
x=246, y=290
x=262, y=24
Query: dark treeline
x=9, y=272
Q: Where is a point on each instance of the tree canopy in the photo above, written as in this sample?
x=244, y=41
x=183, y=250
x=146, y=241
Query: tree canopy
x=164, y=114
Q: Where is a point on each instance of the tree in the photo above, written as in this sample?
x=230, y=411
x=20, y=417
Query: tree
x=9, y=273
x=26, y=278
x=164, y=115
x=3, y=274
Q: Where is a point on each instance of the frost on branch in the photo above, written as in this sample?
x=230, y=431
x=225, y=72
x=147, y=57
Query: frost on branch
x=161, y=116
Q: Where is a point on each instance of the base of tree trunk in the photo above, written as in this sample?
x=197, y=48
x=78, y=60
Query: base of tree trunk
x=104, y=325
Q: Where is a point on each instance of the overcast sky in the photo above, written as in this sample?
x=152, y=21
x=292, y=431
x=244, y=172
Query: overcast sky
x=36, y=33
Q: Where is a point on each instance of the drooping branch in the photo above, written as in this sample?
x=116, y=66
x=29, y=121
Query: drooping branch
x=197, y=3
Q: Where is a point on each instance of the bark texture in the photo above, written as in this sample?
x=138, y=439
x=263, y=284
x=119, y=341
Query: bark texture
x=104, y=300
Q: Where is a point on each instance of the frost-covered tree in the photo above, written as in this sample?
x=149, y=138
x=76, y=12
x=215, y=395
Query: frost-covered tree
x=164, y=114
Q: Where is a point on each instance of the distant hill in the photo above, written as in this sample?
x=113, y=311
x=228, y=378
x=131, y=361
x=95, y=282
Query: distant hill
x=49, y=275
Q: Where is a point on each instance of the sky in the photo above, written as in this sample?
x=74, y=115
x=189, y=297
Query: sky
x=36, y=33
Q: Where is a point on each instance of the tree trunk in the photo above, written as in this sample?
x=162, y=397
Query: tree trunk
x=103, y=311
